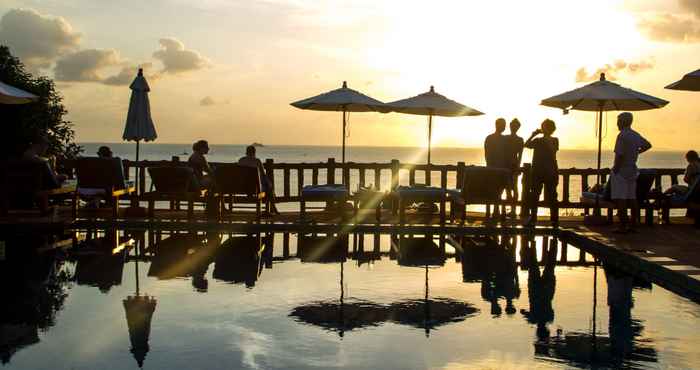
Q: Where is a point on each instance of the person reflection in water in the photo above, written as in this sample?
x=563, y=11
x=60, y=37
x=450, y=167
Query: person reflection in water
x=499, y=276
x=620, y=304
x=540, y=287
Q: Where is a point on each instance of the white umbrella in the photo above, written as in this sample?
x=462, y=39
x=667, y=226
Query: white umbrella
x=139, y=125
x=602, y=96
x=12, y=95
x=689, y=82
x=432, y=104
x=341, y=100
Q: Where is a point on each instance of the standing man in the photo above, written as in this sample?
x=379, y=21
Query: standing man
x=514, y=154
x=495, y=152
x=494, y=146
x=623, y=181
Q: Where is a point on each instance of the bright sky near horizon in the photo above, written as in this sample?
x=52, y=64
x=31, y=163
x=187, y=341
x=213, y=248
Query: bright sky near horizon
x=226, y=70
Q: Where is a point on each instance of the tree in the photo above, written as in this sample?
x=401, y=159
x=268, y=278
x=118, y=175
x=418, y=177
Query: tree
x=20, y=122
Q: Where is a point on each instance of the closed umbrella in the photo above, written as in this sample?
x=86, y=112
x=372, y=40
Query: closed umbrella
x=601, y=96
x=12, y=95
x=341, y=100
x=689, y=82
x=431, y=104
x=139, y=125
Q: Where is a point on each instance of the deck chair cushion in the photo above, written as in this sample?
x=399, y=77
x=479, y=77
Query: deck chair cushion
x=101, y=173
x=232, y=178
x=180, y=179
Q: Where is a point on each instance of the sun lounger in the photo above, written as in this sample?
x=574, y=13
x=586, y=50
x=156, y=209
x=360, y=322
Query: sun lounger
x=480, y=185
x=323, y=193
x=407, y=195
x=174, y=184
x=240, y=185
x=689, y=201
x=102, y=177
x=28, y=185
x=645, y=181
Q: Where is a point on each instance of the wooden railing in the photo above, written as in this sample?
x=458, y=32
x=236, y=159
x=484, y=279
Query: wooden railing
x=290, y=178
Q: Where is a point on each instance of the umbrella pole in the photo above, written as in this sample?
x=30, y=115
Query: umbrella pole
x=596, y=211
x=344, y=137
x=136, y=267
x=430, y=134
x=137, y=167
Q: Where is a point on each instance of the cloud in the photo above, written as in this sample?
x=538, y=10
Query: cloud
x=36, y=38
x=611, y=70
x=127, y=74
x=671, y=28
x=207, y=101
x=683, y=27
x=85, y=65
x=177, y=59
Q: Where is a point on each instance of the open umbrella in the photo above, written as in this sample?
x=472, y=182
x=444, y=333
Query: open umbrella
x=689, y=82
x=341, y=100
x=139, y=125
x=12, y=95
x=431, y=104
x=601, y=96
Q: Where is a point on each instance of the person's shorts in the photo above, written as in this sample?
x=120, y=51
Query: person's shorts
x=622, y=187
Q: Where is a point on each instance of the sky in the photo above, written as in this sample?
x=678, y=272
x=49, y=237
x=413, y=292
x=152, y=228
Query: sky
x=226, y=70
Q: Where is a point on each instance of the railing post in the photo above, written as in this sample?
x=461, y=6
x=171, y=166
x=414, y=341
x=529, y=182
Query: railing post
x=584, y=187
x=330, y=171
x=525, y=193
x=428, y=174
x=566, y=192
x=346, y=175
x=394, y=173
x=142, y=179
x=459, y=180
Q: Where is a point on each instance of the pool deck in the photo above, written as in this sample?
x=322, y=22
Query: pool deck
x=668, y=255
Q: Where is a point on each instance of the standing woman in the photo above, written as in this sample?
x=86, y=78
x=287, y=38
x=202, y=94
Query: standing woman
x=544, y=172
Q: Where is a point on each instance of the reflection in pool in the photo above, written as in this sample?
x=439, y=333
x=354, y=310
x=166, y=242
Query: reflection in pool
x=124, y=299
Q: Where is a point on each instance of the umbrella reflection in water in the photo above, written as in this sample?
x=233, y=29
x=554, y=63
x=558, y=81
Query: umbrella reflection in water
x=139, y=314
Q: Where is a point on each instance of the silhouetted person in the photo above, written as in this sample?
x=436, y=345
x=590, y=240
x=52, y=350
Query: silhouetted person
x=494, y=146
x=104, y=152
x=514, y=153
x=267, y=186
x=544, y=171
x=623, y=180
x=691, y=175
x=197, y=160
x=36, y=152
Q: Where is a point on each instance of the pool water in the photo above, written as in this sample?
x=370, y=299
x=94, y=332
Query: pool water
x=354, y=301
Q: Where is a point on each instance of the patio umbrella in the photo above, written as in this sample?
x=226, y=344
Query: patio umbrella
x=431, y=104
x=689, y=82
x=12, y=95
x=601, y=96
x=341, y=100
x=139, y=125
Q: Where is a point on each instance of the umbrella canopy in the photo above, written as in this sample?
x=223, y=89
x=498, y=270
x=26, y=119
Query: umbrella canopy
x=343, y=100
x=431, y=104
x=12, y=95
x=139, y=125
x=689, y=82
x=601, y=96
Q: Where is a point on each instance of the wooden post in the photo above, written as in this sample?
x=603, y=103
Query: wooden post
x=428, y=180
x=362, y=177
x=411, y=177
x=377, y=179
x=346, y=175
x=460, y=175
x=394, y=174
x=330, y=174
x=270, y=170
x=286, y=182
x=300, y=180
x=584, y=187
x=565, y=191
x=525, y=193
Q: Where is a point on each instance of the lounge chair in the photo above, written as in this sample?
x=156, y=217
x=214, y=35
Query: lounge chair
x=331, y=194
x=239, y=184
x=26, y=185
x=174, y=184
x=690, y=201
x=103, y=177
x=480, y=185
x=645, y=181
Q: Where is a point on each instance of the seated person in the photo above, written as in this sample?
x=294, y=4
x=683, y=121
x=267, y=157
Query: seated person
x=36, y=152
x=692, y=173
x=198, y=162
x=251, y=161
x=104, y=152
